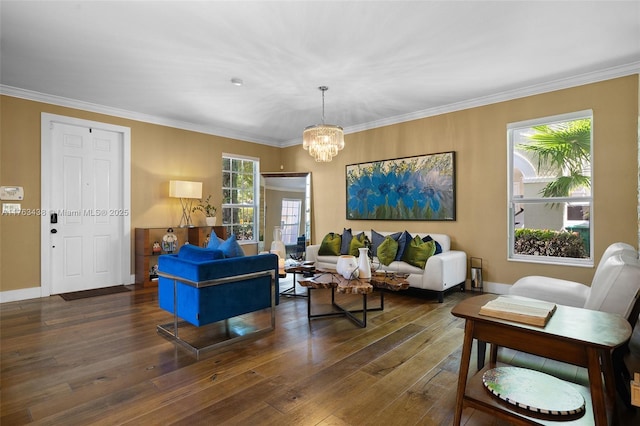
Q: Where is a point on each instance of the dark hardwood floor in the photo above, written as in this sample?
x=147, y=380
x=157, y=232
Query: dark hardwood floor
x=100, y=361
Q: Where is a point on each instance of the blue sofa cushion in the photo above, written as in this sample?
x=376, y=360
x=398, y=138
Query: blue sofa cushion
x=195, y=253
x=214, y=241
x=403, y=241
x=231, y=248
x=205, y=305
x=345, y=240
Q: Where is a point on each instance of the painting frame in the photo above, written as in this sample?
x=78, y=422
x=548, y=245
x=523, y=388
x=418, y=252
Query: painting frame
x=383, y=189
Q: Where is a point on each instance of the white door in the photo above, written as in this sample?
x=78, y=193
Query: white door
x=86, y=208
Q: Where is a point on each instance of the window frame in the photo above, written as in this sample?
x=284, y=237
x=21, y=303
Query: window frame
x=256, y=193
x=295, y=226
x=512, y=200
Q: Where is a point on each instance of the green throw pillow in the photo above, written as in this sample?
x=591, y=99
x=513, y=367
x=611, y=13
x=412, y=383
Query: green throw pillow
x=330, y=245
x=417, y=252
x=356, y=243
x=387, y=250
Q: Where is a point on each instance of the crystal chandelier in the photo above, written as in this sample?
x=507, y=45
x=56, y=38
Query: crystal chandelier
x=323, y=141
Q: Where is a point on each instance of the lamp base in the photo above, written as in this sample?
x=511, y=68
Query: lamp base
x=186, y=213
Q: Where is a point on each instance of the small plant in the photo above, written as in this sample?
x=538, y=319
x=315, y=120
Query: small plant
x=205, y=206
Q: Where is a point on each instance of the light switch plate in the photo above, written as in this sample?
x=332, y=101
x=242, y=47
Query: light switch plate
x=11, y=208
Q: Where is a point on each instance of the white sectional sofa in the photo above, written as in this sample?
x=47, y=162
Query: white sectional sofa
x=442, y=271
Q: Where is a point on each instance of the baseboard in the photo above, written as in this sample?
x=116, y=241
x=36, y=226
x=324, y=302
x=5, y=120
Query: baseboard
x=35, y=292
x=22, y=294
x=491, y=287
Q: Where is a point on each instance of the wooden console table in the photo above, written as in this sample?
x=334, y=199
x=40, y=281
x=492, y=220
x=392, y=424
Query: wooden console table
x=577, y=336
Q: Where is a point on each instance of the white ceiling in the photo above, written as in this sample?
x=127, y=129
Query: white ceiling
x=171, y=62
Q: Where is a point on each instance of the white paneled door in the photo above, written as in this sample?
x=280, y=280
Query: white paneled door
x=86, y=215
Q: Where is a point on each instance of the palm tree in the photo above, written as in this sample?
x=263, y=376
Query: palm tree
x=563, y=148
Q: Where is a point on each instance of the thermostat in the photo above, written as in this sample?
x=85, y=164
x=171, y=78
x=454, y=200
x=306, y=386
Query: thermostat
x=11, y=193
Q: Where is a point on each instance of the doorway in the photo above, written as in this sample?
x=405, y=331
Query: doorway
x=85, y=204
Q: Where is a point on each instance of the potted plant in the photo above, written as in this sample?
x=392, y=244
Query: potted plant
x=208, y=209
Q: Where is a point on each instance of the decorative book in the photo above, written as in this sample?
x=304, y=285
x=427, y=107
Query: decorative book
x=527, y=311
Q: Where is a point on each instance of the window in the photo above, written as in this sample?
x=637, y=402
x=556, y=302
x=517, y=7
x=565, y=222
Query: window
x=239, y=196
x=550, y=202
x=290, y=220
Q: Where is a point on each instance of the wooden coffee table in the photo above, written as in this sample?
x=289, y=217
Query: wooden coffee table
x=330, y=279
x=302, y=268
x=577, y=336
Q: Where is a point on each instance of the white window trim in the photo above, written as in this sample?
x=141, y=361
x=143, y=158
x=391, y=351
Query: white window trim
x=256, y=193
x=511, y=256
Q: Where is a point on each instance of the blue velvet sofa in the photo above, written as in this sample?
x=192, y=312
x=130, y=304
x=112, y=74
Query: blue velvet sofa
x=210, y=287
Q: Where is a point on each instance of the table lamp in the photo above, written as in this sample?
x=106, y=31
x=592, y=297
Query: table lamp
x=187, y=192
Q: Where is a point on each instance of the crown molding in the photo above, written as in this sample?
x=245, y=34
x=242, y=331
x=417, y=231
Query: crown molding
x=131, y=115
x=564, y=83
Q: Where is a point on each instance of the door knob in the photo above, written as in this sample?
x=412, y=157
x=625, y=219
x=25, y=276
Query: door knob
x=54, y=231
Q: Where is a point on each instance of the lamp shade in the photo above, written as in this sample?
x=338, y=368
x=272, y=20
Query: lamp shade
x=185, y=189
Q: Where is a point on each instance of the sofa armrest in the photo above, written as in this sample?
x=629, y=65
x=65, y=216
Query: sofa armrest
x=562, y=292
x=445, y=270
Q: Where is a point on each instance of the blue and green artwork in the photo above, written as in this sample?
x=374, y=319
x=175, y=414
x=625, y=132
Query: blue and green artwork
x=411, y=188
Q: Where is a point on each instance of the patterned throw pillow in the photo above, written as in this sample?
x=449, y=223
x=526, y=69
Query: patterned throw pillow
x=387, y=250
x=330, y=245
x=418, y=252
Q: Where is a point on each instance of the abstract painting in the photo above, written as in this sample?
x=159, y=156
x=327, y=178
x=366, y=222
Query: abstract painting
x=410, y=188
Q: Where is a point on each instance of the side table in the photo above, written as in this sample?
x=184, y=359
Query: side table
x=577, y=336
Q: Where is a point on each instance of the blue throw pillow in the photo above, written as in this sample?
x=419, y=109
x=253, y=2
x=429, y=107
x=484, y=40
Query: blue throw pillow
x=438, y=246
x=199, y=254
x=376, y=240
x=346, y=241
x=214, y=241
x=231, y=248
x=403, y=241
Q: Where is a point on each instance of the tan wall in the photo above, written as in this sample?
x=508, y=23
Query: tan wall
x=478, y=136
x=158, y=154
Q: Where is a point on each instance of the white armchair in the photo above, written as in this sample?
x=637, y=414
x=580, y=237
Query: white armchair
x=615, y=289
x=615, y=286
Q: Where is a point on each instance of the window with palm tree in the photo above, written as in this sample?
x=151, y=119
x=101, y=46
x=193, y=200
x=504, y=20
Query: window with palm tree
x=550, y=201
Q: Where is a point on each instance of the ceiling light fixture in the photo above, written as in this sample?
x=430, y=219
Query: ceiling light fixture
x=237, y=81
x=323, y=141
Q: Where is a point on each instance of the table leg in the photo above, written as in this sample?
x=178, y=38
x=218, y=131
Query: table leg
x=482, y=353
x=464, y=370
x=609, y=382
x=596, y=387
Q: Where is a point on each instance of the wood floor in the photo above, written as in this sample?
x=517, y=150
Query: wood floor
x=99, y=361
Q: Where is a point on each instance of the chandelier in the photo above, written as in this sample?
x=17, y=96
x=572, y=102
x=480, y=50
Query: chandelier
x=323, y=141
